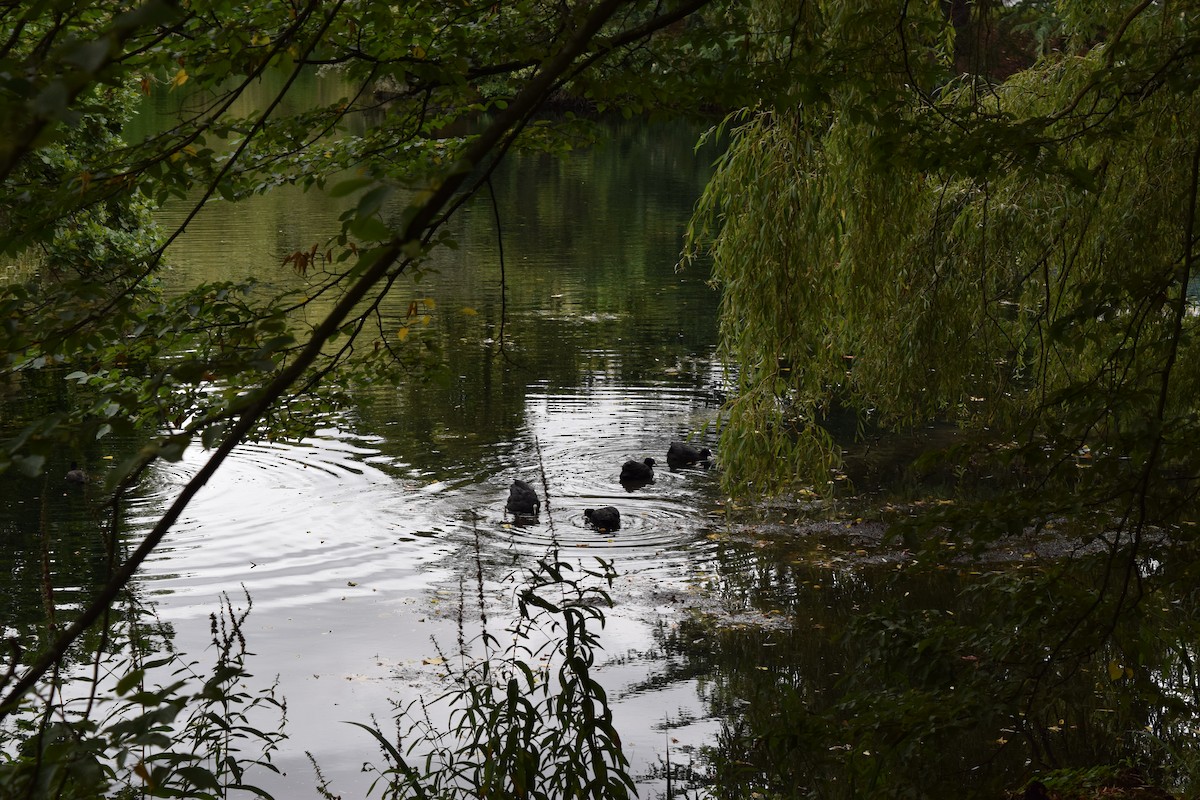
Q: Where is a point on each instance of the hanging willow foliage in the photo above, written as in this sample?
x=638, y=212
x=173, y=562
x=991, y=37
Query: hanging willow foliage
x=1012, y=258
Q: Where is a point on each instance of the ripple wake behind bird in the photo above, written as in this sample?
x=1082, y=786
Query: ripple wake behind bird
x=294, y=524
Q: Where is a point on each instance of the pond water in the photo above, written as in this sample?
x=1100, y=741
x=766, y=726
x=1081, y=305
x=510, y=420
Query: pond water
x=354, y=543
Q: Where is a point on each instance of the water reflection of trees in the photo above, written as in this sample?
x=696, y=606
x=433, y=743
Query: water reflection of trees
x=57, y=554
x=836, y=680
x=617, y=313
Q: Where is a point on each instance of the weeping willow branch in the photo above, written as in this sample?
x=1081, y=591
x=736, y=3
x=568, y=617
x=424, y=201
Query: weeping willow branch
x=999, y=271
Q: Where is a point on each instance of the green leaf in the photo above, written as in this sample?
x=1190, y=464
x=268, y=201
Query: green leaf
x=131, y=680
x=343, y=188
x=370, y=229
x=371, y=202
x=211, y=436
x=199, y=777
x=172, y=448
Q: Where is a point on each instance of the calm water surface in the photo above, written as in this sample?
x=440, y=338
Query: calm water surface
x=354, y=544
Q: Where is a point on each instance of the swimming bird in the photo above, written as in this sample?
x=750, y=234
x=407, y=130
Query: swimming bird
x=605, y=519
x=75, y=474
x=522, y=499
x=637, y=471
x=680, y=453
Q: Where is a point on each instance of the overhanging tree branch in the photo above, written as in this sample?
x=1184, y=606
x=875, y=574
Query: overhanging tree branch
x=377, y=265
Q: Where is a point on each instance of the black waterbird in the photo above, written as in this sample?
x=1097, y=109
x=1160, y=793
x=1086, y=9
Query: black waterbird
x=522, y=499
x=638, y=471
x=605, y=519
x=680, y=453
x=75, y=474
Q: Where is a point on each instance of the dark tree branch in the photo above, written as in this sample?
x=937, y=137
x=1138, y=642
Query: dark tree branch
x=376, y=267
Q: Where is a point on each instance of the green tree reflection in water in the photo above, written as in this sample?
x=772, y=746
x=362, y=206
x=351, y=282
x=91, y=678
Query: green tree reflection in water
x=591, y=292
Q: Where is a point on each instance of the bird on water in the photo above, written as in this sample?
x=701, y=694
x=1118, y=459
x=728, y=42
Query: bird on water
x=605, y=519
x=522, y=499
x=637, y=471
x=681, y=453
x=75, y=474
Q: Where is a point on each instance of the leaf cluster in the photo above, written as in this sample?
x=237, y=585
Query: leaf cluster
x=1015, y=259
x=198, y=735
x=526, y=719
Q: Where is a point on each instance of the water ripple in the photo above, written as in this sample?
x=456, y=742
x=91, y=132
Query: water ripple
x=295, y=524
x=304, y=524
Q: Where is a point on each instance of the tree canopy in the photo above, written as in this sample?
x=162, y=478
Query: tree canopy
x=995, y=242
x=1014, y=257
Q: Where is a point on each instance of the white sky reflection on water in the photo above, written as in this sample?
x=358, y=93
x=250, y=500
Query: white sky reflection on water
x=354, y=566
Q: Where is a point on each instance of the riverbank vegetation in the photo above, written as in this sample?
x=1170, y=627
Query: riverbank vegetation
x=977, y=218
x=1004, y=255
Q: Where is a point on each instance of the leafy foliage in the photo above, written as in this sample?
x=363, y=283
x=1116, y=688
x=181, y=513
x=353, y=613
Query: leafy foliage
x=525, y=720
x=1015, y=259
x=1012, y=257
x=197, y=735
